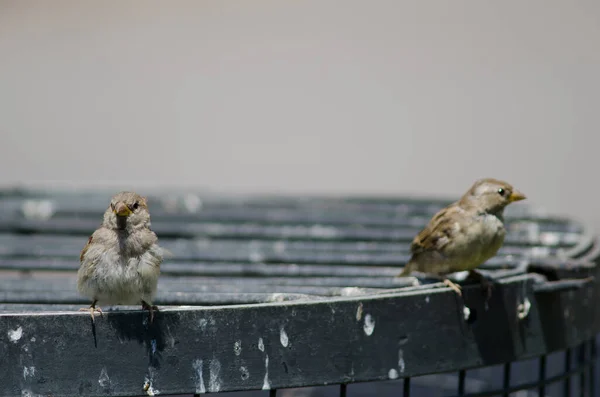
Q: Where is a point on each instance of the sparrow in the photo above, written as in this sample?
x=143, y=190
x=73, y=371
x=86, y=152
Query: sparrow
x=120, y=263
x=465, y=234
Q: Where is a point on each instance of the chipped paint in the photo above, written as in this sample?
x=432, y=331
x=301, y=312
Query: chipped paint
x=261, y=345
x=15, y=335
x=197, y=366
x=237, y=347
x=283, y=337
x=214, y=383
x=104, y=380
x=266, y=383
x=369, y=325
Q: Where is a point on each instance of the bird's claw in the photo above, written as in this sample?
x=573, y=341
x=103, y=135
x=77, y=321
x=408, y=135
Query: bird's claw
x=453, y=286
x=92, y=310
x=151, y=309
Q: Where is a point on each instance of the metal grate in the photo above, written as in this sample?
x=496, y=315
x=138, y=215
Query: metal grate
x=244, y=252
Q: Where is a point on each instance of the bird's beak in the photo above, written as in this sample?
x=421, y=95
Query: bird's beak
x=516, y=196
x=121, y=209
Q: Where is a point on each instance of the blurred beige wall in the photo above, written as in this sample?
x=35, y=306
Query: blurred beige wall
x=317, y=96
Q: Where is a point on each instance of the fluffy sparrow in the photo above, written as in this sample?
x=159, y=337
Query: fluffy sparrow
x=465, y=234
x=120, y=263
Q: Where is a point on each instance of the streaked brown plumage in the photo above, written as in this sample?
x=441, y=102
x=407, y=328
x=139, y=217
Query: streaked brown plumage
x=465, y=234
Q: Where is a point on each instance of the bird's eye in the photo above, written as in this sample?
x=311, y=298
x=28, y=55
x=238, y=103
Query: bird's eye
x=501, y=192
x=136, y=205
x=112, y=206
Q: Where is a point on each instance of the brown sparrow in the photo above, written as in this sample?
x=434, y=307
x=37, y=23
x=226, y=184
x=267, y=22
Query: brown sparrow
x=465, y=234
x=120, y=263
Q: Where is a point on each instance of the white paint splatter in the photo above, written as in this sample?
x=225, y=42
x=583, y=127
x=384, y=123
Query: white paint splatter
x=266, y=383
x=151, y=391
x=197, y=365
x=28, y=372
x=523, y=309
x=245, y=373
x=369, y=326
x=148, y=388
x=237, y=347
x=261, y=345
x=466, y=313
x=401, y=363
x=214, y=384
x=393, y=374
x=15, y=335
x=283, y=338
x=104, y=380
x=359, y=312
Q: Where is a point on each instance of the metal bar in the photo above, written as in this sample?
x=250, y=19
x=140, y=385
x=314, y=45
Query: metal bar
x=581, y=359
x=532, y=385
x=343, y=390
x=461, y=382
x=593, y=358
x=506, y=381
x=273, y=393
x=567, y=384
x=542, y=377
x=406, y=388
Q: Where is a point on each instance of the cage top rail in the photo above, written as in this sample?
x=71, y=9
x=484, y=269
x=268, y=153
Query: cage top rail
x=266, y=292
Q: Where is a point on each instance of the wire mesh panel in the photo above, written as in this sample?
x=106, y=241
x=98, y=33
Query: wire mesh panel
x=287, y=295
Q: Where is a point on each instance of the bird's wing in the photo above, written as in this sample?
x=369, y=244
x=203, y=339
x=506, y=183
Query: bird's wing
x=439, y=231
x=84, y=250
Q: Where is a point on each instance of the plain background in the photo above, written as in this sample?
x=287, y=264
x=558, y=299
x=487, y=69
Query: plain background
x=314, y=96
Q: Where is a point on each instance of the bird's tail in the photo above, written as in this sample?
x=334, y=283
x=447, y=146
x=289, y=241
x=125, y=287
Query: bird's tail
x=406, y=270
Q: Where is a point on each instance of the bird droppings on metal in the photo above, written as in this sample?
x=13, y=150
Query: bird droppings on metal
x=237, y=347
x=466, y=313
x=245, y=373
x=15, y=335
x=359, y=312
x=28, y=372
x=197, y=366
x=401, y=363
x=523, y=309
x=104, y=380
x=283, y=337
x=153, y=346
x=32, y=339
x=148, y=387
x=427, y=299
x=202, y=323
x=266, y=383
x=214, y=384
x=369, y=325
x=261, y=345
x=393, y=374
